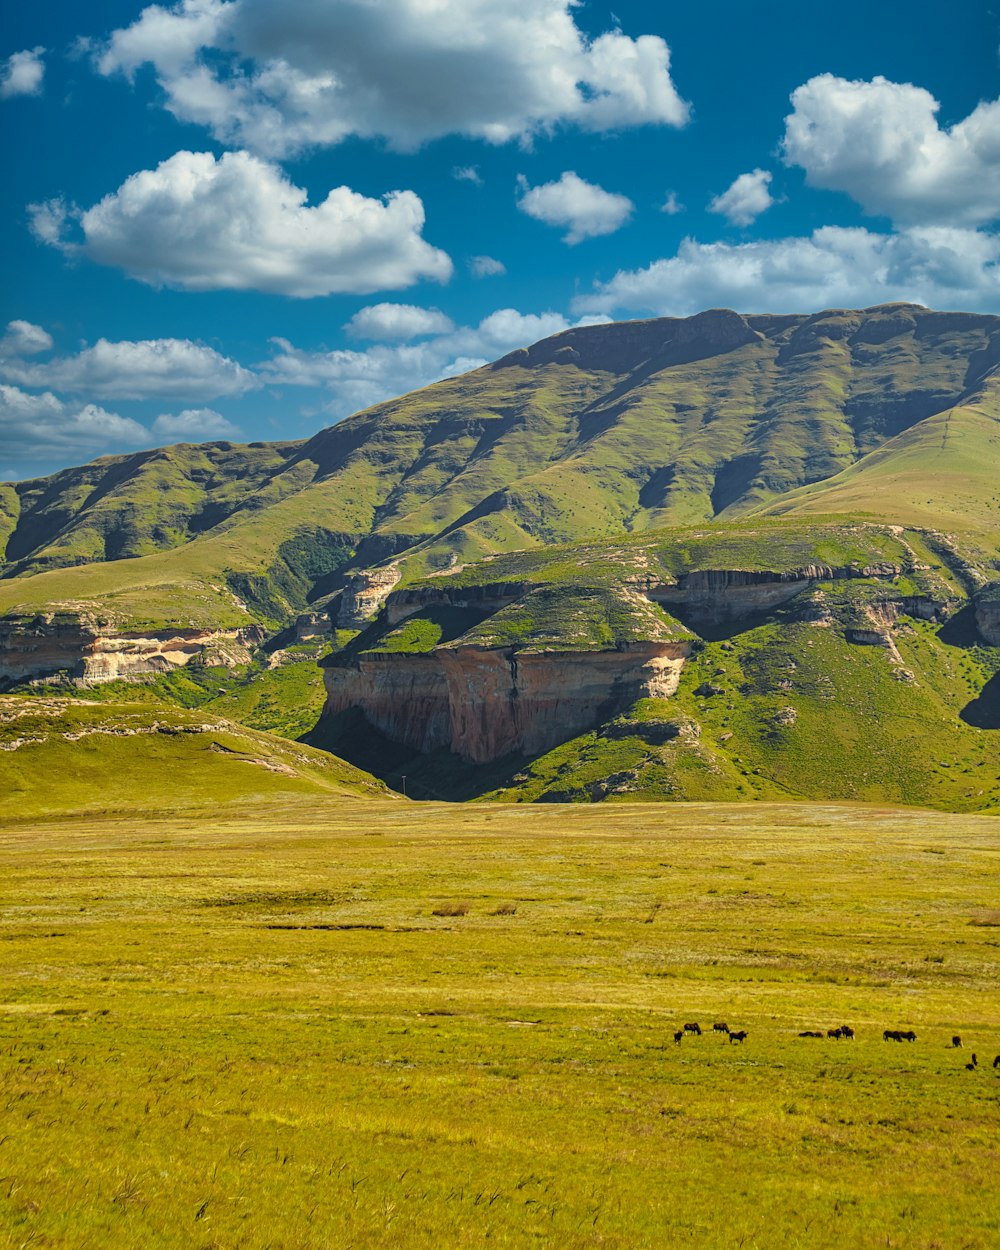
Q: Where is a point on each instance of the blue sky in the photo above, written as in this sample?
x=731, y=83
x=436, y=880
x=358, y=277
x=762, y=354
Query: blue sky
x=236, y=219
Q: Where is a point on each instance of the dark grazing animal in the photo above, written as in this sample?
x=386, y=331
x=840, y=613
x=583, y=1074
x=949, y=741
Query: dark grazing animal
x=741, y=1036
x=847, y=1031
x=956, y=1041
x=891, y=1035
x=720, y=1027
x=811, y=1033
x=971, y=1067
x=908, y=1036
x=837, y=1033
x=996, y=1062
x=679, y=1036
x=693, y=1027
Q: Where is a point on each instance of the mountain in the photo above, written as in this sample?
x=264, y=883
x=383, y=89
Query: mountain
x=723, y=556
x=600, y=430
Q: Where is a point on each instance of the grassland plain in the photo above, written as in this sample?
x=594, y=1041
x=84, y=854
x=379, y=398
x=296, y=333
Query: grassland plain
x=343, y=1024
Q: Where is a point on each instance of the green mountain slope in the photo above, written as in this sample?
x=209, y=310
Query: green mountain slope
x=600, y=430
x=942, y=471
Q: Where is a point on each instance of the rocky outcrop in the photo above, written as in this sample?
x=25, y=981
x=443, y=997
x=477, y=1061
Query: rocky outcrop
x=90, y=651
x=727, y=594
x=485, y=703
x=490, y=597
x=988, y=614
x=364, y=594
x=310, y=625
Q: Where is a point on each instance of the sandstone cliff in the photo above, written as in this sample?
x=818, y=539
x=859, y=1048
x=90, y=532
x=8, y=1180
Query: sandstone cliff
x=484, y=703
x=90, y=651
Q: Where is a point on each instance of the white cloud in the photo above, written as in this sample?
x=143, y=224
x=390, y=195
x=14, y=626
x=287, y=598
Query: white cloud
x=169, y=368
x=587, y=210
x=39, y=427
x=486, y=267
x=357, y=379
x=279, y=78
x=397, y=321
x=237, y=223
x=194, y=425
x=468, y=173
x=671, y=205
x=22, y=73
x=24, y=339
x=880, y=142
x=832, y=268
x=169, y=38
x=746, y=199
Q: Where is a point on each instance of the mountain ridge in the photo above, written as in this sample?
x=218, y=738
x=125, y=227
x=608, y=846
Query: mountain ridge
x=686, y=420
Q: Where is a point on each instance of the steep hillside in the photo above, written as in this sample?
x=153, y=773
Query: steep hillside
x=944, y=471
x=120, y=507
x=599, y=430
x=61, y=755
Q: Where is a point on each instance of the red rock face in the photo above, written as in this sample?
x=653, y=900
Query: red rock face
x=483, y=704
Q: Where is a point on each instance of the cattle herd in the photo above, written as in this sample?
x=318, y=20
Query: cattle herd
x=693, y=1028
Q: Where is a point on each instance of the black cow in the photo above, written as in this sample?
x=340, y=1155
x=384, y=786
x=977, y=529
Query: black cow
x=811, y=1033
x=956, y=1041
x=908, y=1036
x=693, y=1027
x=996, y=1062
x=679, y=1036
x=847, y=1031
x=741, y=1036
x=891, y=1035
x=720, y=1027
x=837, y=1033
x=971, y=1067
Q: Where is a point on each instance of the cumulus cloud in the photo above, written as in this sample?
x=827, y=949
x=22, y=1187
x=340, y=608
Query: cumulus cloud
x=746, y=199
x=486, y=267
x=880, y=142
x=167, y=368
x=587, y=210
x=833, y=268
x=22, y=73
x=21, y=338
x=277, y=79
x=237, y=223
x=397, y=321
x=39, y=427
x=194, y=425
x=357, y=379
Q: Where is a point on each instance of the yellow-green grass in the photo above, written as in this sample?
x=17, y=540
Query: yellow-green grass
x=325, y=1024
x=61, y=755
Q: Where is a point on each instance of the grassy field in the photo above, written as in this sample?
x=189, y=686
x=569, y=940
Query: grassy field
x=328, y=1023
